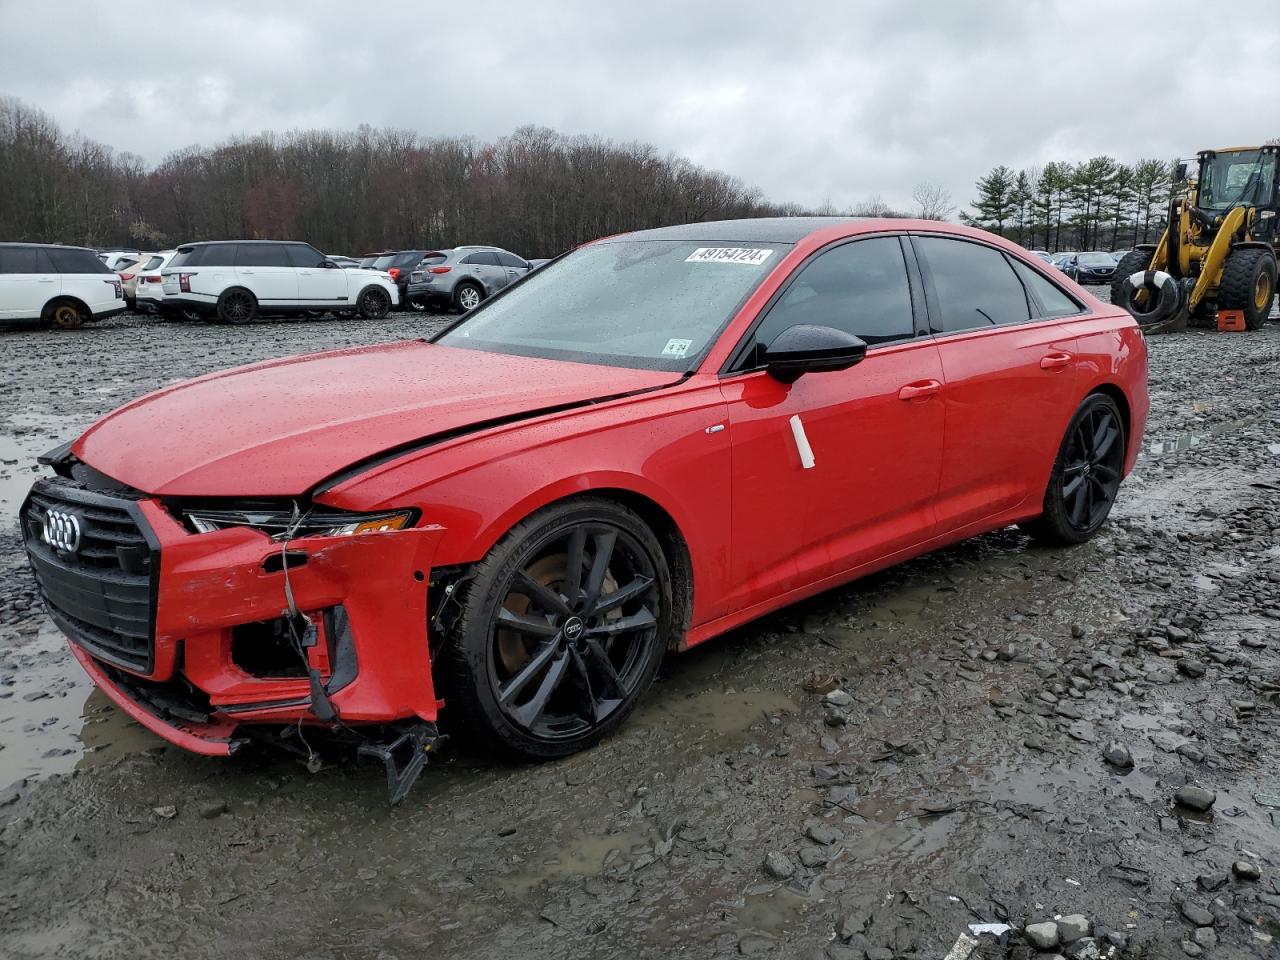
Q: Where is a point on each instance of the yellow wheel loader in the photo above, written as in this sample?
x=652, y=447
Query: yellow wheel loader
x=1219, y=249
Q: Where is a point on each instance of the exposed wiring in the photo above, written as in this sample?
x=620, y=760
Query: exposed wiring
x=295, y=522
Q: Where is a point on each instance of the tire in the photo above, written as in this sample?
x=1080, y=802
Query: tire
x=1249, y=284
x=63, y=315
x=534, y=667
x=237, y=306
x=1084, y=482
x=1135, y=261
x=374, y=303
x=467, y=296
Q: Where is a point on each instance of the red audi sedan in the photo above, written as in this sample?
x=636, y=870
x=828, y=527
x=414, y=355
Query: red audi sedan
x=646, y=443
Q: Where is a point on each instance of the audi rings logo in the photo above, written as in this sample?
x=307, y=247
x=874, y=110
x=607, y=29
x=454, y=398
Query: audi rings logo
x=61, y=531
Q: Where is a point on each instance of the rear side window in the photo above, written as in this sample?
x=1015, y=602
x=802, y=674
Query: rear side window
x=1052, y=301
x=858, y=287
x=24, y=260
x=262, y=255
x=214, y=255
x=75, y=261
x=974, y=286
x=484, y=258
x=304, y=255
x=510, y=260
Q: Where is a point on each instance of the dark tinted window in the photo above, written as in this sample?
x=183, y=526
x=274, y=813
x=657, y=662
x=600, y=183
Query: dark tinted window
x=383, y=263
x=510, y=260
x=975, y=286
x=858, y=287
x=408, y=259
x=304, y=255
x=24, y=260
x=214, y=255
x=184, y=256
x=431, y=259
x=1053, y=302
x=75, y=261
x=262, y=255
x=484, y=258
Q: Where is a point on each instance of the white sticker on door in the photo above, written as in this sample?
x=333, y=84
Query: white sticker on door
x=676, y=348
x=744, y=255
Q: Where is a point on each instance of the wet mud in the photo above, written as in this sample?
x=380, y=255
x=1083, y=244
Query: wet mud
x=862, y=775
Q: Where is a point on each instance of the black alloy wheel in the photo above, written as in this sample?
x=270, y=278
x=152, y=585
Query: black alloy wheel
x=563, y=629
x=374, y=303
x=1086, y=475
x=237, y=306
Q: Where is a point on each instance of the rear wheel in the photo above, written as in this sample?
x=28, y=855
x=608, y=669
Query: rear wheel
x=1086, y=475
x=467, y=296
x=374, y=303
x=1249, y=284
x=563, y=628
x=64, y=315
x=237, y=305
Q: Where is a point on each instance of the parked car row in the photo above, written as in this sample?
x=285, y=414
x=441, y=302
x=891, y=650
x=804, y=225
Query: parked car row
x=234, y=281
x=1094, y=266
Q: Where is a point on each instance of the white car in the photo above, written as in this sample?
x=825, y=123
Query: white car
x=55, y=285
x=232, y=281
x=148, y=291
x=115, y=259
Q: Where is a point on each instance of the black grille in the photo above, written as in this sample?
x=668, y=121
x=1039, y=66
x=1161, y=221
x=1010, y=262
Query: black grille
x=102, y=594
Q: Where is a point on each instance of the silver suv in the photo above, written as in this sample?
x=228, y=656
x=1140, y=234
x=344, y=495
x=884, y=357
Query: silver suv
x=462, y=277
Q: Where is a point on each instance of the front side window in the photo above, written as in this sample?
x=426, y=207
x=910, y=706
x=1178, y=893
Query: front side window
x=304, y=255
x=858, y=287
x=974, y=286
x=510, y=260
x=645, y=304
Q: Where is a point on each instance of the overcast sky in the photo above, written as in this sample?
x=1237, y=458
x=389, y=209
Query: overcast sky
x=809, y=101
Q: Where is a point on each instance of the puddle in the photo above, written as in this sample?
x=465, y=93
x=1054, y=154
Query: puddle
x=53, y=719
x=26, y=437
x=1161, y=448
x=710, y=712
x=583, y=856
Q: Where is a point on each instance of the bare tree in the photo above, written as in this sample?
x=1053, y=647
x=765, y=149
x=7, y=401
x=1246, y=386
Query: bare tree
x=933, y=201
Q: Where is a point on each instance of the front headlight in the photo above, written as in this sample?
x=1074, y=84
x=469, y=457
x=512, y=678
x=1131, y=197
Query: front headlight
x=287, y=524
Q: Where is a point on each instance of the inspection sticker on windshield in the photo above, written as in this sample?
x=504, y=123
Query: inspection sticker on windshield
x=752, y=258
x=676, y=348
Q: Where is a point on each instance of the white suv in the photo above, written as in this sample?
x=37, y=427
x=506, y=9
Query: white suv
x=232, y=281
x=58, y=286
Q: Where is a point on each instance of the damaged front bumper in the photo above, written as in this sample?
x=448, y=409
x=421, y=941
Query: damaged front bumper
x=220, y=649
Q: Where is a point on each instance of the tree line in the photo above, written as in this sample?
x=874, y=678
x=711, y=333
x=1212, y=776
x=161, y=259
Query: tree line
x=1096, y=204
x=537, y=191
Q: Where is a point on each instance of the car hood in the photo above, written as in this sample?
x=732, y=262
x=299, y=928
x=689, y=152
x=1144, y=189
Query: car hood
x=279, y=428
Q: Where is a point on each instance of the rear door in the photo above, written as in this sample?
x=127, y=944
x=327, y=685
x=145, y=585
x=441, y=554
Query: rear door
x=837, y=469
x=1010, y=371
x=316, y=283
x=484, y=266
x=266, y=270
x=86, y=278
x=27, y=282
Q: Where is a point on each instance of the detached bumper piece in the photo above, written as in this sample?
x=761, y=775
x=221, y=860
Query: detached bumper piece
x=404, y=757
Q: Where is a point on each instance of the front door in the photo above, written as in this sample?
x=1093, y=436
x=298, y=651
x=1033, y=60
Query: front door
x=316, y=283
x=266, y=270
x=837, y=469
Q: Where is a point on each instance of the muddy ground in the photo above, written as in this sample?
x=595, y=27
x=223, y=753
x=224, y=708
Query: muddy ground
x=958, y=775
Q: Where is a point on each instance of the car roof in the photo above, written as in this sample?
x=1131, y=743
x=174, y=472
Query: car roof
x=53, y=246
x=764, y=229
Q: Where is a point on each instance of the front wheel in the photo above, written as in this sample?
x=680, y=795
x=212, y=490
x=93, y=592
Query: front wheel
x=563, y=628
x=374, y=303
x=1086, y=475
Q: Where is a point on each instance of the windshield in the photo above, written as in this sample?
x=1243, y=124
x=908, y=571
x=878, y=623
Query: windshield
x=648, y=304
x=1233, y=179
x=1096, y=259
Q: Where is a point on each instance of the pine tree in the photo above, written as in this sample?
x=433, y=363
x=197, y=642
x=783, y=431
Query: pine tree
x=995, y=204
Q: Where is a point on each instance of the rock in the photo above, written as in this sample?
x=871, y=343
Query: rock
x=813, y=857
x=778, y=865
x=1246, y=870
x=167, y=811
x=755, y=946
x=1191, y=668
x=1042, y=936
x=1195, y=798
x=1190, y=949
x=880, y=953
x=1205, y=938
x=839, y=698
x=823, y=833
x=1118, y=755
x=212, y=809
x=1072, y=928
x=1036, y=743
x=852, y=925
x=1196, y=914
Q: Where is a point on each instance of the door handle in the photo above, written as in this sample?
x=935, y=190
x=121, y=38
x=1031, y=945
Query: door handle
x=1056, y=361
x=46, y=280
x=919, y=390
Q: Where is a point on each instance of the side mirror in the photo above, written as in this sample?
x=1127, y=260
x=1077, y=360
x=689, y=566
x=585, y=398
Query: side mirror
x=806, y=348
x=1180, y=174
x=328, y=265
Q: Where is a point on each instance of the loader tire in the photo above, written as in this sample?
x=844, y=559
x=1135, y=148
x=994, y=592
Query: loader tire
x=1132, y=262
x=1249, y=284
